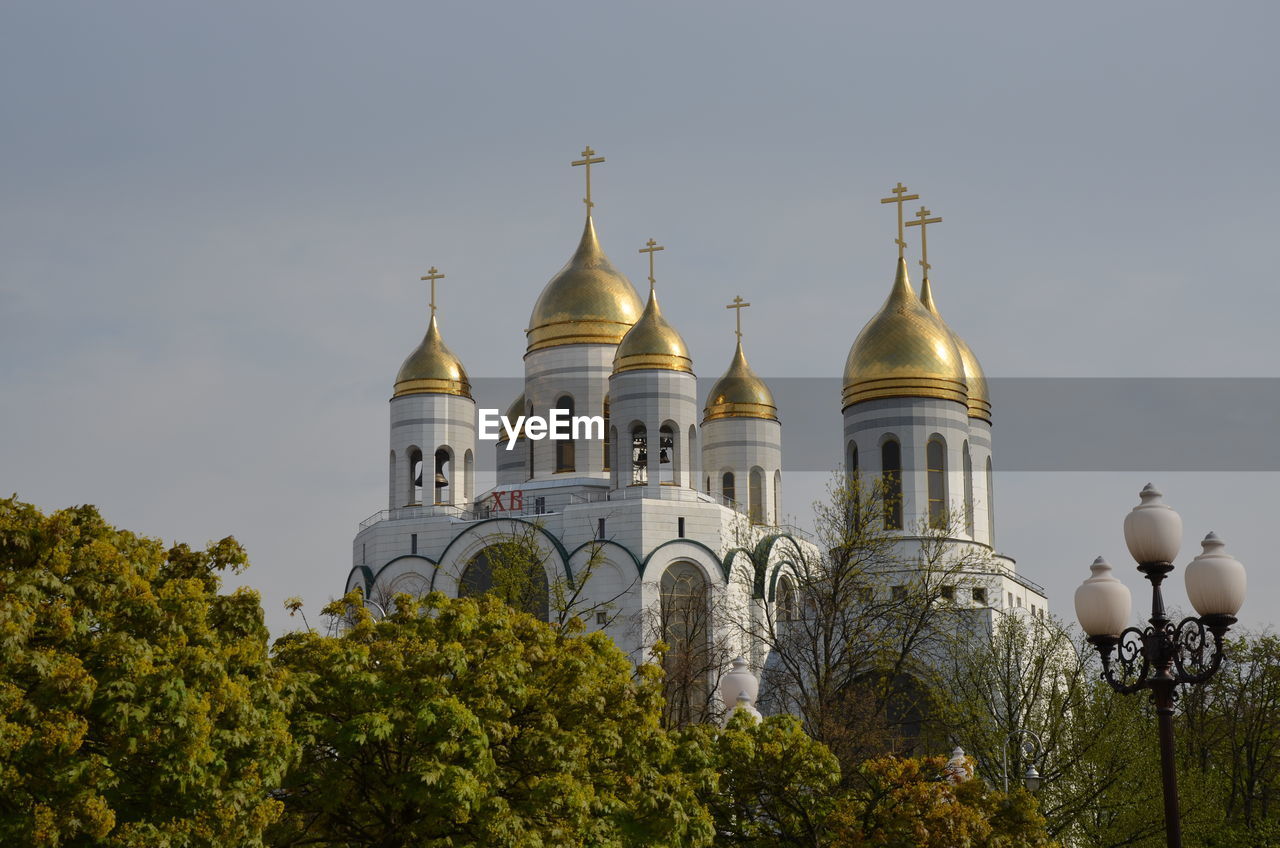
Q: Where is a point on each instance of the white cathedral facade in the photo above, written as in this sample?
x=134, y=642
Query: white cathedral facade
x=675, y=494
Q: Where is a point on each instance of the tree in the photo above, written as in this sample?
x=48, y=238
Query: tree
x=775, y=786
x=138, y=705
x=1230, y=740
x=467, y=723
x=858, y=657
x=910, y=803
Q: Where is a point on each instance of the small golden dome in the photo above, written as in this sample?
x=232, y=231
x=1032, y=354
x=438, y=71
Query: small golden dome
x=587, y=302
x=432, y=369
x=652, y=343
x=904, y=351
x=740, y=393
x=974, y=377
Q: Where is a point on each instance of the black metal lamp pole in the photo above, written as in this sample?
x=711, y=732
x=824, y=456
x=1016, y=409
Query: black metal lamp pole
x=1161, y=657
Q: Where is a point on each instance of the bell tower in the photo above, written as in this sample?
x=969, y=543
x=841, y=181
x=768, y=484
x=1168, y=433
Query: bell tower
x=433, y=424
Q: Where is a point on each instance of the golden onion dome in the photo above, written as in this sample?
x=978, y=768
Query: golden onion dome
x=974, y=377
x=904, y=351
x=740, y=393
x=652, y=343
x=432, y=369
x=587, y=302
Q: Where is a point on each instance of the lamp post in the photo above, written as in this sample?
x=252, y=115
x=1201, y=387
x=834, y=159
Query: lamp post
x=1032, y=778
x=1162, y=655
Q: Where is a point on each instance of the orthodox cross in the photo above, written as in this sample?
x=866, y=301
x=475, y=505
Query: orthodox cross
x=922, y=221
x=738, y=304
x=433, y=275
x=588, y=160
x=901, y=197
x=651, y=247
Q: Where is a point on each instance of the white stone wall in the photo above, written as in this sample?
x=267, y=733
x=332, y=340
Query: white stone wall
x=913, y=422
x=739, y=445
x=428, y=422
x=580, y=371
x=653, y=398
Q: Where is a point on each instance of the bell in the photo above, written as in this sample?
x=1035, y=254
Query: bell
x=663, y=456
x=642, y=458
x=441, y=482
x=417, y=480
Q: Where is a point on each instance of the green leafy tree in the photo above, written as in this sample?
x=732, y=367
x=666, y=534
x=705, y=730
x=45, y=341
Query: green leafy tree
x=138, y=705
x=467, y=723
x=912, y=803
x=773, y=784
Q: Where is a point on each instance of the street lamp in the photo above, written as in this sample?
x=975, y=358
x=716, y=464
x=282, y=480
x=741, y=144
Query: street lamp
x=1161, y=656
x=1032, y=778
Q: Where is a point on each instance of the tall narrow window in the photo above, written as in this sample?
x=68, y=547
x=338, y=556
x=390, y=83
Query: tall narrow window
x=786, y=599
x=777, y=497
x=608, y=434
x=755, y=495
x=991, y=506
x=968, y=491
x=727, y=490
x=891, y=473
x=691, y=451
x=440, y=482
x=530, y=443
x=564, y=447
x=936, y=463
x=667, y=465
x=639, y=455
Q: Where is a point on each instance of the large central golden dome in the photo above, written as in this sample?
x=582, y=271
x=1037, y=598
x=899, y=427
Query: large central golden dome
x=974, y=377
x=587, y=302
x=904, y=351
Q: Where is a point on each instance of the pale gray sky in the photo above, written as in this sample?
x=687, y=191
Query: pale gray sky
x=213, y=218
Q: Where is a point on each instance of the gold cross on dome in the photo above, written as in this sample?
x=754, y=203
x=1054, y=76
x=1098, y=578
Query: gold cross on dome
x=738, y=304
x=901, y=197
x=651, y=247
x=433, y=275
x=588, y=160
x=923, y=221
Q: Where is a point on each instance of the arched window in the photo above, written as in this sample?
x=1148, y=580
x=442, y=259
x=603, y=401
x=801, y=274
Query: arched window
x=608, y=434
x=413, y=497
x=777, y=496
x=755, y=495
x=667, y=464
x=564, y=447
x=468, y=476
x=851, y=459
x=991, y=506
x=727, y=490
x=786, y=599
x=691, y=450
x=968, y=491
x=511, y=570
x=936, y=463
x=441, y=480
x=891, y=473
x=530, y=443
x=639, y=455
x=684, y=623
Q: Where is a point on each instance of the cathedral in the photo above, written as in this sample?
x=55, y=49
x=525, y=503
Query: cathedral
x=667, y=499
